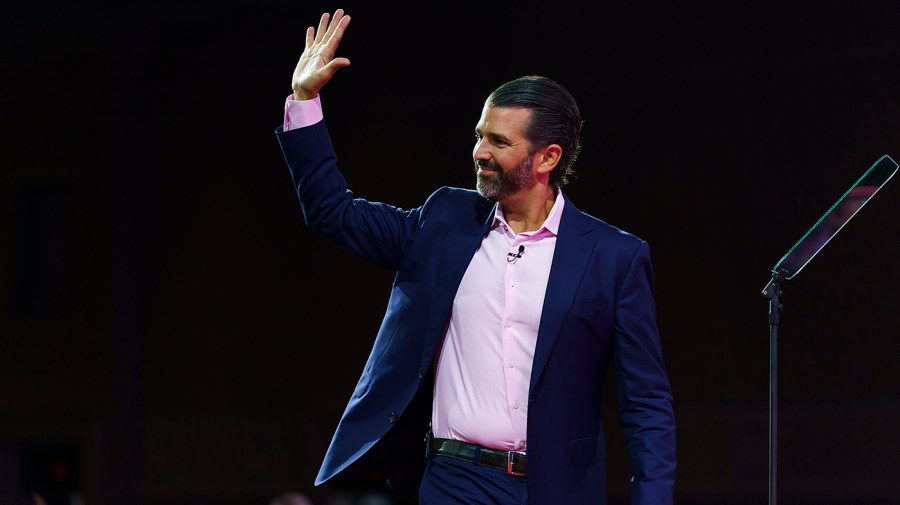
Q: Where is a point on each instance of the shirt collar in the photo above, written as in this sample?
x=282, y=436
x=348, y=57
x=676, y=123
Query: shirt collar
x=551, y=224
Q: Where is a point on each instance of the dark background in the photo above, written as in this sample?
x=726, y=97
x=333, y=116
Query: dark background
x=171, y=333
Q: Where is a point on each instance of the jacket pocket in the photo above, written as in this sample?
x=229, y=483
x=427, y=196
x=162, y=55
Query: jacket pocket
x=588, y=450
x=589, y=306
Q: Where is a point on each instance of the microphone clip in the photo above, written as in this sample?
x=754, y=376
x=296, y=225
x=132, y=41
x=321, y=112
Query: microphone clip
x=513, y=257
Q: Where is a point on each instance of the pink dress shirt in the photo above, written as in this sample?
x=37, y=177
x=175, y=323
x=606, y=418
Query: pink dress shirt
x=300, y=113
x=484, y=364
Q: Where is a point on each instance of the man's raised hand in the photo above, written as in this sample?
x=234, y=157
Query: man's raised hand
x=317, y=63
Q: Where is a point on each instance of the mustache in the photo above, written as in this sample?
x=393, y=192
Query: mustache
x=487, y=164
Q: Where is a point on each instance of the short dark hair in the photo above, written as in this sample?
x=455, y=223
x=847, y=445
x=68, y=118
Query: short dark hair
x=555, y=118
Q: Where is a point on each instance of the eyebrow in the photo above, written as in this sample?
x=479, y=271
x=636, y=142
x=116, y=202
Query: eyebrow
x=493, y=135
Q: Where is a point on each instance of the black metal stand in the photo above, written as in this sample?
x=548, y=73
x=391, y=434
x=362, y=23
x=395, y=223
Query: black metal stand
x=790, y=265
x=773, y=293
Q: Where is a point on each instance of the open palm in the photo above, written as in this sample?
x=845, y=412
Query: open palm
x=317, y=63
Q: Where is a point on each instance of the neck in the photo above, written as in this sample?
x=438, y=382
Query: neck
x=527, y=210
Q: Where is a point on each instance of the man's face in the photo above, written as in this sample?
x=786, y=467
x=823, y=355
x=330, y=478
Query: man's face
x=502, y=162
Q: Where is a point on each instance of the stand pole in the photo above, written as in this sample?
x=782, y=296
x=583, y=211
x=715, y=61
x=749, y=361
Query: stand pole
x=773, y=293
x=794, y=261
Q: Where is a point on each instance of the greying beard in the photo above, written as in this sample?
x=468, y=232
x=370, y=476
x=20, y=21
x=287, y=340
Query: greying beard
x=503, y=183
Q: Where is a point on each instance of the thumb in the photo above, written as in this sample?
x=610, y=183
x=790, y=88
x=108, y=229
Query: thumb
x=327, y=72
x=335, y=64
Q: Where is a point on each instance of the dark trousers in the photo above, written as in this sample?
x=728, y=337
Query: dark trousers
x=449, y=481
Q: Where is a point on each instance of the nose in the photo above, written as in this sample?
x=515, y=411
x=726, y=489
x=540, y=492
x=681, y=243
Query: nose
x=480, y=152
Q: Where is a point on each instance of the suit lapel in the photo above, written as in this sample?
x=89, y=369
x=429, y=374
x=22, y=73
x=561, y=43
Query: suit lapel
x=460, y=244
x=458, y=247
x=574, y=246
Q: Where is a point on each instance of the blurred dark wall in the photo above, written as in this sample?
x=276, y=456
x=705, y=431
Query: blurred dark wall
x=171, y=331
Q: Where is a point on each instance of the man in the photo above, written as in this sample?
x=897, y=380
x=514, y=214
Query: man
x=517, y=299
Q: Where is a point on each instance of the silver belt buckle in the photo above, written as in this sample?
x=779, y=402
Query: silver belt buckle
x=510, y=459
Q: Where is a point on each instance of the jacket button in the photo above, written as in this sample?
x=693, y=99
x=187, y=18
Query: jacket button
x=392, y=418
x=421, y=372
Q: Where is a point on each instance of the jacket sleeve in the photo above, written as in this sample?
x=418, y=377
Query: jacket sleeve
x=376, y=231
x=645, y=397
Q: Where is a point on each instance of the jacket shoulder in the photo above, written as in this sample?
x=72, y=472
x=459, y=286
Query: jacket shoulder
x=455, y=204
x=608, y=232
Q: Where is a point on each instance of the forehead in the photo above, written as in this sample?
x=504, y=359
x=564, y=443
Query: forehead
x=509, y=121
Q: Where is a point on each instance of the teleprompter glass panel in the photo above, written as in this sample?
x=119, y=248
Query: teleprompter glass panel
x=836, y=217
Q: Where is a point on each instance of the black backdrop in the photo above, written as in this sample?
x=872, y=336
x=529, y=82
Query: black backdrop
x=171, y=332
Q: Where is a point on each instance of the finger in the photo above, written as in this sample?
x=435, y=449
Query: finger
x=335, y=22
x=323, y=27
x=338, y=32
x=310, y=36
x=337, y=63
x=329, y=70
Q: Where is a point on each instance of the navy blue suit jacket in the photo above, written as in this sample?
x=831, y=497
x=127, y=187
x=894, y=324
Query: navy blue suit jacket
x=598, y=309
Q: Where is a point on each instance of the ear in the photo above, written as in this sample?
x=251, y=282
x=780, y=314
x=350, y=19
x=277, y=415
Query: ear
x=547, y=158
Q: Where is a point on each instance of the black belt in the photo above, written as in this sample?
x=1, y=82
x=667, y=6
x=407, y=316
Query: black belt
x=512, y=462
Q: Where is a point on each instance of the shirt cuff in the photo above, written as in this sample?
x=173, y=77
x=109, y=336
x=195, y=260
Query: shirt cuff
x=301, y=113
